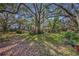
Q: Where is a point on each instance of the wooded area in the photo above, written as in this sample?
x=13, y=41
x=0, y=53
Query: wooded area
x=39, y=29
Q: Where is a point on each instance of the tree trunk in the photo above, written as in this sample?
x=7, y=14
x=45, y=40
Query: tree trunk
x=77, y=19
x=5, y=29
x=38, y=29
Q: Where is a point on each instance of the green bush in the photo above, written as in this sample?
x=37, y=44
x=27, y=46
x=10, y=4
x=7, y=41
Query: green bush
x=19, y=32
x=72, y=37
x=68, y=35
x=55, y=38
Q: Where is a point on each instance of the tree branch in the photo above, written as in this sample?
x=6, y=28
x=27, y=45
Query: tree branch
x=1, y=11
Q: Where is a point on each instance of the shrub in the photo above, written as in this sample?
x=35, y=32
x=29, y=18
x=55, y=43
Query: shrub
x=55, y=38
x=19, y=32
x=72, y=37
x=68, y=35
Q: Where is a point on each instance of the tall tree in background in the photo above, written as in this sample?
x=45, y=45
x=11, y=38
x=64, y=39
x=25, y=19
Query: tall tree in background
x=72, y=11
x=40, y=12
x=6, y=21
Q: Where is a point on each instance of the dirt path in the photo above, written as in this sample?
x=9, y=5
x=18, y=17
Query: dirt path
x=17, y=47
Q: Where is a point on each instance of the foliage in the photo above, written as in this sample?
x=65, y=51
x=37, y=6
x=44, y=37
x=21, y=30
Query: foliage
x=54, y=25
x=19, y=32
x=72, y=37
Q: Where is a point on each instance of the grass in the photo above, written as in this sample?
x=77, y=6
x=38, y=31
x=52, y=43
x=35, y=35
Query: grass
x=55, y=38
x=5, y=36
